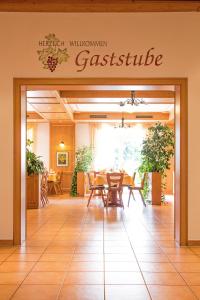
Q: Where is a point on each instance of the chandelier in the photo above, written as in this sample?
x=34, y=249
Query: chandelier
x=133, y=100
x=122, y=124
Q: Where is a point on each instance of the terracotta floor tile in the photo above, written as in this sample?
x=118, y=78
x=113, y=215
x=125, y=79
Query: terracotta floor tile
x=184, y=258
x=4, y=256
x=12, y=278
x=157, y=267
x=177, y=250
x=44, y=278
x=60, y=250
x=88, y=257
x=152, y=257
x=16, y=266
x=51, y=266
x=86, y=266
x=191, y=278
x=7, y=250
x=187, y=267
x=88, y=250
x=39, y=292
x=163, y=278
x=123, y=278
x=196, y=290
x=30, y=250
x=82, y=292
x=119, y=257
x=24, y=257
x=121, y=266
x=147, y=250
x=127, y=292
x=56, y=257
x=84, y=278
x=161, y=292
x=6, y=291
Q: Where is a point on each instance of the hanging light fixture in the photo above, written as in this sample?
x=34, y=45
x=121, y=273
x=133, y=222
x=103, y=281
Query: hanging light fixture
x=122, y=124
x=133, y=100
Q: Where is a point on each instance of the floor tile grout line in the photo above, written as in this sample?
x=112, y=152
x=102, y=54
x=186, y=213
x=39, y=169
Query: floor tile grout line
x=28, y=274
x=136, y=257
x=61, y=286
x=185, y=281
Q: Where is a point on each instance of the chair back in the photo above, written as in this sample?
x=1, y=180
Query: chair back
x=89, y=179
x=115, y=179
x=144, y=177
x=59, y=177
x=44, y=180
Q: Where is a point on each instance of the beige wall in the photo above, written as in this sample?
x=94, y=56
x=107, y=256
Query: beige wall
x=41, y=141
x=174, y=35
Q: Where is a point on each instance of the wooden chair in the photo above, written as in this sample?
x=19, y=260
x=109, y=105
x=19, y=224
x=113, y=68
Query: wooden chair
x=58, y=183
x=44, y=189
x=139, y=188
x=115, y=189
x=95, y=188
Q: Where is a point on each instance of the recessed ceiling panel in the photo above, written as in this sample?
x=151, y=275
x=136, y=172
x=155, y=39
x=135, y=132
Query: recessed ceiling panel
x=49, y=107
x=55, y=116
x=40, y=94
x=118, y=108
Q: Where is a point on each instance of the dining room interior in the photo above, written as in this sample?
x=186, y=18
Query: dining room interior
x=105, y=146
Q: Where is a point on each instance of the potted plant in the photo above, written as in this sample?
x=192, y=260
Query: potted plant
x=84, y=158
x=156, y=154
x=34, y=166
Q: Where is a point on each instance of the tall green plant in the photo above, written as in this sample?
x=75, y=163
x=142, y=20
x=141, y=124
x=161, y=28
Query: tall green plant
x=34, y=165
x=157, y=151
x=84, y=158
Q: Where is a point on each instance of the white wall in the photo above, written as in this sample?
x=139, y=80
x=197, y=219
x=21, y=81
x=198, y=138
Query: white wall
x=82, y=135
x=42, y=142
x=175, y=35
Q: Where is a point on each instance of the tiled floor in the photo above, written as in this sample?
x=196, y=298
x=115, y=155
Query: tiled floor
x=75, y=253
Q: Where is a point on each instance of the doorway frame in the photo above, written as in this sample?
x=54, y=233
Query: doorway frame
x=181, y=145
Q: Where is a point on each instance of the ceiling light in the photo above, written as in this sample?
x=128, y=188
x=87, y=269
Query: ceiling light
x=133, y=100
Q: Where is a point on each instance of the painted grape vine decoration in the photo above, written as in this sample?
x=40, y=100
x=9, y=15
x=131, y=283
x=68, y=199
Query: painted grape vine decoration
x=52, y=55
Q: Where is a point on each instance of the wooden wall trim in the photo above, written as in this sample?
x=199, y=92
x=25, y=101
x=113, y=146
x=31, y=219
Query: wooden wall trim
x=194, y=243
x=99, y=6
x=6, y=242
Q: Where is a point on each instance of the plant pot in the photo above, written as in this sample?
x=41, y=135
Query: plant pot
x=80, y=184
x=32, y=191
x=155, y=179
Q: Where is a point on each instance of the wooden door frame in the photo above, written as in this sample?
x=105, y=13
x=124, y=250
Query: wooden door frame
x=181, y=130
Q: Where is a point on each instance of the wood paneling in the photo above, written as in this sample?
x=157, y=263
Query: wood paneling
x=65, y=133
x=32, y=191
x=99, y=6
x=156, y=188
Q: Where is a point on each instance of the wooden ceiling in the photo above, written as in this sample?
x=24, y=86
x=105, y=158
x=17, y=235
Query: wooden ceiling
x=100, y=103
x=99, y=6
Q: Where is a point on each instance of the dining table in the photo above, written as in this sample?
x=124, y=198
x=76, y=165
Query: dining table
x=101, y=179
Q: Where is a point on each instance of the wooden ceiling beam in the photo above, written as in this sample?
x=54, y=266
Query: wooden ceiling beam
x=98, y=6
x=116, y=116
x=88, y=101
x=116, y=94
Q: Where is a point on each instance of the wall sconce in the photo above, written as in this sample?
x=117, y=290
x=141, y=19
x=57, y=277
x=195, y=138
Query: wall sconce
x=62, y=144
